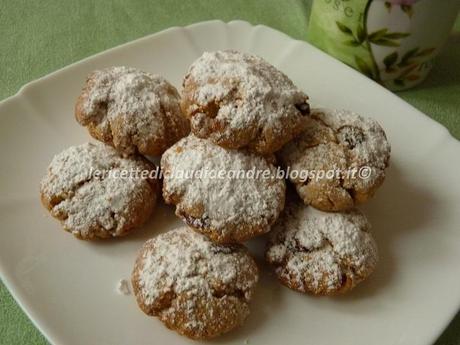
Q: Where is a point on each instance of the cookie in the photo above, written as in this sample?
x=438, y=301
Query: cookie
x=131, y=110
x=232, y=207
x=239, y=100
x=91, y=190
x=319, y=252
x=195, y=287
x=350, y=151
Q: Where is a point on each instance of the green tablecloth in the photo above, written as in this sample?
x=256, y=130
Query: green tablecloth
x=38, y=37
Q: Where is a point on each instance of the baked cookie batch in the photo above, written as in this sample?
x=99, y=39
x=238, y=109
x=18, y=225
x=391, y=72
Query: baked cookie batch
x=195, y=286
x=323, y=253
x=241, y=101
x=98, y=207
x=343, y=141
x=236, y=112
x=225, y=210
x=131, y=110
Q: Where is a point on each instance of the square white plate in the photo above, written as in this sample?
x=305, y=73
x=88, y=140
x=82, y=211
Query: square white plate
x=67, y=287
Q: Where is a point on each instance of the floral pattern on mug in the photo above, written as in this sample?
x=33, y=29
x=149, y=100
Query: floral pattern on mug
x=406, y=5
x=401, y=2
x=383, y=39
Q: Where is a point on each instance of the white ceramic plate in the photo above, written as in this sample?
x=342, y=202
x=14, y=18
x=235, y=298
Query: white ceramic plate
x=67, y=287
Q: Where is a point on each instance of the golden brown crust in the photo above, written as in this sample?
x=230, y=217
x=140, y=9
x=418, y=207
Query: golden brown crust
x=142, y=126
x=234, y=233
x=200, y=306
x=267, y=110
x=90, y=206
x=341, y=142
x=321, y=253
x=248, y=207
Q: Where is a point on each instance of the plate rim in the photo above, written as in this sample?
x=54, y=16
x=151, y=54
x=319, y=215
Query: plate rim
x=45, y=331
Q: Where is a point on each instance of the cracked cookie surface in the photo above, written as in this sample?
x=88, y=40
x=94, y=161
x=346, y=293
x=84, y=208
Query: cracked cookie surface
x=131, y=110
x=319, y=252
x=239, y=100
x=232, y=208
x=340, y=141
x=85, y=189
x=196, y=287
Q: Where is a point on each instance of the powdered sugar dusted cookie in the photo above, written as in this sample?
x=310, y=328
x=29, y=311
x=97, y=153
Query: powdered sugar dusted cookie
x=231, y=207
x=196, y=287
x=132, y=110
x=96, y=193
x=240, y=100
x=352, y=153
x=319, y=252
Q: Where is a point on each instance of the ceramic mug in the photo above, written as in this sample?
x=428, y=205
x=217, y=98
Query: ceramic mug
x=391, y=41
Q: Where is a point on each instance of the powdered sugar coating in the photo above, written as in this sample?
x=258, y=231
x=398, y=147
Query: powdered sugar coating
x=319, y=252
x=238, y=100
x=123, y=287
x=90, y=205
x=225, y=209
x=344, y=141
x=132, y=110
x=199, y=288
